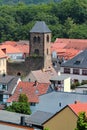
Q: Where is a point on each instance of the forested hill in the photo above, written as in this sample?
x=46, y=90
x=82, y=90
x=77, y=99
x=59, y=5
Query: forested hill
x=66, y=19
x=10, y=2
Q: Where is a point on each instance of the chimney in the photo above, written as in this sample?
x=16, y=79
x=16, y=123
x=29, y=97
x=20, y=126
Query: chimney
x=75, y=102
x=22, y=121
x=35, y=83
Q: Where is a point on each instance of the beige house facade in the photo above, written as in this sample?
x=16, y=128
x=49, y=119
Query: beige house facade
x=3, y=63
x=66, y=119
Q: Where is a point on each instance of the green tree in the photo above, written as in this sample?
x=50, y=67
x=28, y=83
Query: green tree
x=82, y=122
x=23, y=98
x=22, y=106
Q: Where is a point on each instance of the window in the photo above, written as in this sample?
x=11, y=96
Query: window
x=84, y=72
x=47, y=38
x=36, y=52
x=34, y=39
x=78, y=61
x=59, y=82
x=32, y=104
x=1, y=97
x=47, y=51
x=4, y=87
x=38, y=39
x=75, y=71
x=67, y=70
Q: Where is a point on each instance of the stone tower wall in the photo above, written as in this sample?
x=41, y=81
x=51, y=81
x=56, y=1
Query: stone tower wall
x=43, y=46
x=36, y=45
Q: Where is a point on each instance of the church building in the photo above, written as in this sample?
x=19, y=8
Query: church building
x=40, y=39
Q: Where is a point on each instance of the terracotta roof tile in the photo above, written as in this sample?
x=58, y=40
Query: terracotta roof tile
x=31, y=90
x=79, y=107
x=22, y=45
x=10, y=49
x=24, y=48
x=68, y=47
x=12, y=43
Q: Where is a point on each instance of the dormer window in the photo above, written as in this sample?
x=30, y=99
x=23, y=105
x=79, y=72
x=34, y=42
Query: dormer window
x=78, y=61
x=20, y=90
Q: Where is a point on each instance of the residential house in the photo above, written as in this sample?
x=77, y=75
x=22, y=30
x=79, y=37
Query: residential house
x=8, y=85
x=3, y=63
x=38, y=118
x=76, y=67
x=68, y=48
x=40, y=76
x=54, y=101
x=22, y=45
x=61, y=83
x=66, y=118
x=32, y=89
x=13, y=53
x=13, y=121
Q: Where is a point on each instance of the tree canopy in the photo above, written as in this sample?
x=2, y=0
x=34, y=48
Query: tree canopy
x=22, y=106
x=66, y=19
x=82, y=122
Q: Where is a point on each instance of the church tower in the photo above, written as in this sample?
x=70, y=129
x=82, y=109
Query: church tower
x=40, y=39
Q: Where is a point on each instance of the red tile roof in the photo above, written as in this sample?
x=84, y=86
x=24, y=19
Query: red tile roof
x=10, y=49
x=24, y=48
x=31, y=90
x=12, y=43
x=79, y=107
x=68, y=47
x=21, y=45
x=42, y=88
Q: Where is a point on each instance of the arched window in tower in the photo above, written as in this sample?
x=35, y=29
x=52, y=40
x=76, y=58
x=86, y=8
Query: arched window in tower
x=47, y=38
x=38, y=39
x=34, y=39
x=36, y=51
x=47, y=51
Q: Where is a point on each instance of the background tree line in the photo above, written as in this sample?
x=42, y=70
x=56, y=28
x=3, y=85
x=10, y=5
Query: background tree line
x=66, y=19
x=10, y=2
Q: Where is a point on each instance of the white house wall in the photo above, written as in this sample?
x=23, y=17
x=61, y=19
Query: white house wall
x=5, y=97
x=79, y=77
x=67, y=85
x=15, y=56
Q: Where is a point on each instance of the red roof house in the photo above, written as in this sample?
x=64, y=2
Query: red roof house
x=68, y=48
x=78, y=107
x=32, y=89
x=23, y=46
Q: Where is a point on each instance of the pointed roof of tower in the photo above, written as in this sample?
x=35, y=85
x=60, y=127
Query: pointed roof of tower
x=40, y=27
